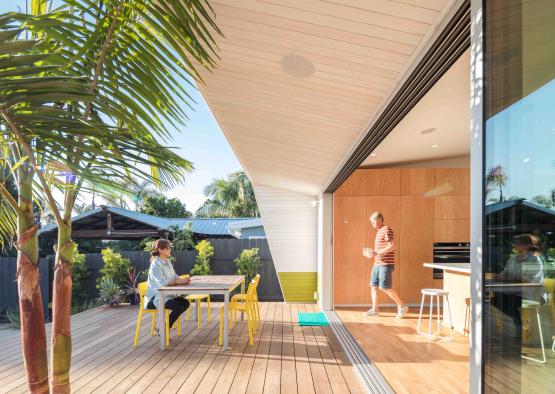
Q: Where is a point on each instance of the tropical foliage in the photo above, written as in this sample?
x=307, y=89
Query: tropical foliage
x=79, y=274
x=247, y=263
x=202, y=261
x=496, y=179
x=115, y=267
x=182, y=238
x=87, y=90
x=159, y=205
x=547, y=201
x=110, y=292
x=231, y=197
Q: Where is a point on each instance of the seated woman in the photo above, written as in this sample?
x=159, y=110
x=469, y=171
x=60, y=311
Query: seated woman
x=523, y=267
x=160, y=274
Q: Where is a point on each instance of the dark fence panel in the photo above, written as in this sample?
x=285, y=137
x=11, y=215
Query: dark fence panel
x=8, y=283
x=225, y=251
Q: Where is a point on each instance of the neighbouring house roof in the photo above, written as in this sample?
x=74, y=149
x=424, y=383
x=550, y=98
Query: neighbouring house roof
x=519, y=215
x=235, y=227
x=128, y=224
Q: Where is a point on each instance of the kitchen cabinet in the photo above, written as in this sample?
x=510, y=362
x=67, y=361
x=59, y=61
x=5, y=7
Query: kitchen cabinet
x=417, y=181
x=350, y=265
x=416, y=245
x=421, y=205
x=383, y=182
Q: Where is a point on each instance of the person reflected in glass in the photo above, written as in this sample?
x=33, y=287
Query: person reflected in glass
x=523, y=267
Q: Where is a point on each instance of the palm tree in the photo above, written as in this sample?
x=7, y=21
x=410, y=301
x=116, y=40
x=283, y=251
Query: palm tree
x=496, y=178
x=84, y=106
x=231, y=197
x=547, y=201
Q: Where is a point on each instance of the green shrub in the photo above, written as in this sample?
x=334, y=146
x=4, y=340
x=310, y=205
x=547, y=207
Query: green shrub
x=14, y=319
x=115, y=267
x=182, y=239
x=247, y=263
x=84, y=306
x=202, y=261
x=79, y=273
x=110, y=292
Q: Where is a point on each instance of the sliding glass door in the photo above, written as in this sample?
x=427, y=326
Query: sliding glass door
x=519, y=181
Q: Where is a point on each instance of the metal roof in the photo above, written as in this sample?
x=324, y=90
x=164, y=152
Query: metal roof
x=208, y=226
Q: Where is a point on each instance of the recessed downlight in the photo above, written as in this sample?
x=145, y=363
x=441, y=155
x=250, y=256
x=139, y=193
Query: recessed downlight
x=428, y=131
x=435, y=146
x=373, y=154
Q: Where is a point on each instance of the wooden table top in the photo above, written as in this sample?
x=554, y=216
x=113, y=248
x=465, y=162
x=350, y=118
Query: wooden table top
x=208, y=282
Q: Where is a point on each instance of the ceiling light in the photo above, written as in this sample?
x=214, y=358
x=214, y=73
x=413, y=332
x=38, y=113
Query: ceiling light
x=428, y=131
x=373, y=154
x=297, y=66
x=526, y=160
x=435, y=146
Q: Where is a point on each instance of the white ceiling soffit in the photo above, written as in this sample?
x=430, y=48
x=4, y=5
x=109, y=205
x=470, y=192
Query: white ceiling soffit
x=437, y=127
x=299, y=81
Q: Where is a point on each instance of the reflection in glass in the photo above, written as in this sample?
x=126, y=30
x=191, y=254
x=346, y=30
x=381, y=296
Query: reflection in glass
x=519, y=173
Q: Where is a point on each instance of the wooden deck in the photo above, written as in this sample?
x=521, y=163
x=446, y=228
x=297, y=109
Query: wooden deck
x=285, y=358
x=407, y=361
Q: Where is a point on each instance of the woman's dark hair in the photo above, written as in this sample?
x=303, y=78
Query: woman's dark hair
x=160, y=244
x=524, y=239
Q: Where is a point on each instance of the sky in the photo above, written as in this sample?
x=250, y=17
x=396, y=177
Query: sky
x=524, y=138
x=201, y=141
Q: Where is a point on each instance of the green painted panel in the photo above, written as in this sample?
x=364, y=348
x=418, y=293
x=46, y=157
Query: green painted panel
x=298, y=286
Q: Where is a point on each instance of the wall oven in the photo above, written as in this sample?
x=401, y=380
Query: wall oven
x=450, y=252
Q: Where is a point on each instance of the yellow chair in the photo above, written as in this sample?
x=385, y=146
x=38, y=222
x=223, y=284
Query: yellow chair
x=198, y=299
x=153, y=312
x=242, y=297
x=248, y=307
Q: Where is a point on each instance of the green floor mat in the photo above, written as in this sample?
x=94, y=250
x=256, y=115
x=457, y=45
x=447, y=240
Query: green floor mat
x=312, y=319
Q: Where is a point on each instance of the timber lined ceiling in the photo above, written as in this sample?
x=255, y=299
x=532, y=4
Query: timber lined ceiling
x=292, y=132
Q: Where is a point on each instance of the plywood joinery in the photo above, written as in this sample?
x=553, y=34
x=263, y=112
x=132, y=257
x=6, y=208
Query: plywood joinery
x=406, y=197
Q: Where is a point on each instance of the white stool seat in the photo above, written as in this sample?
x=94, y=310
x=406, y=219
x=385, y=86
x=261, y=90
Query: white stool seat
x=434, y=293
x=530, y=304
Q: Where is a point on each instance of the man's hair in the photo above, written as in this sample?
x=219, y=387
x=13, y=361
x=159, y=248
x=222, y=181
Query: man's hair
x=376, y=215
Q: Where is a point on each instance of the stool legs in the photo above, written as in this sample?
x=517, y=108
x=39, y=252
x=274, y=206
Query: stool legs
x=431, y=318
x=543, y=360
x=420, y=314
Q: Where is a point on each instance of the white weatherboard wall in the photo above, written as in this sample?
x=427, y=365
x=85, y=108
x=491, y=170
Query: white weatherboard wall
x=291, y=225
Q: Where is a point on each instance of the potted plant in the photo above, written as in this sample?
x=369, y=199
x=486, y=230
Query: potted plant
x=110, y=293
x=132, y=292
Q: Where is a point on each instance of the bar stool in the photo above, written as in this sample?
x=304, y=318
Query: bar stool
x=434, y=293
x=529, y=304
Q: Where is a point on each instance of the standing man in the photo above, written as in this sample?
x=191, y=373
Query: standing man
x=384, y=264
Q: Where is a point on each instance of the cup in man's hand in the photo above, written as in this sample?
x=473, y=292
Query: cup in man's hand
x=367, y=252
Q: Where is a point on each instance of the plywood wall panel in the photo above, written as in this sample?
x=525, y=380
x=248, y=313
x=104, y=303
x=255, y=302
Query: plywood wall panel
x=349, y=271
x=383, y=182
x=355, y=185
x=452, y=181
x=417, y=234
x=452, y=207
x=451, y=230
x=417, y=181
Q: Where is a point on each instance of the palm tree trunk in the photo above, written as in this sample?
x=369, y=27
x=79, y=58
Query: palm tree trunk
x=61, y=309
x=33, y=333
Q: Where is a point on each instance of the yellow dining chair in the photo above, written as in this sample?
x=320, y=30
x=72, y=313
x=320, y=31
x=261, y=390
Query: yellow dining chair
x=241, y=298
x=153, y=312
x=247, y=307
x=198, y=299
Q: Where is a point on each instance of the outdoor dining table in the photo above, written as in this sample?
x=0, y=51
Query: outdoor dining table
x=202, y=284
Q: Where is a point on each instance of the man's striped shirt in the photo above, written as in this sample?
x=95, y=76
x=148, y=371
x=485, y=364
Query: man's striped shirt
x=383, y=236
